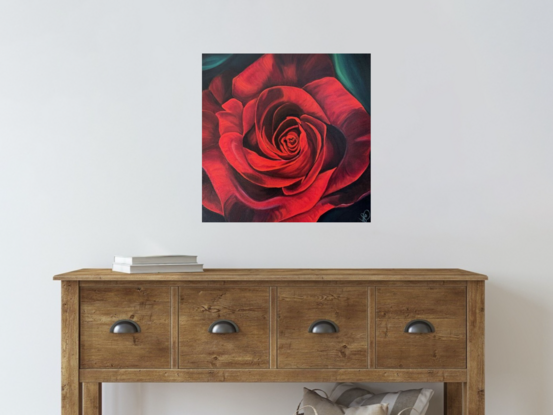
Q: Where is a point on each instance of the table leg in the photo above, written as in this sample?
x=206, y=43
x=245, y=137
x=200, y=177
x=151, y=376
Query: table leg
x=453, y=398
x=475, y=386
x=92, y=399
x=70, y=386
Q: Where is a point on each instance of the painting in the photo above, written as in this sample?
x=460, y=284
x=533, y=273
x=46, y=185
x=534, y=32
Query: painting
x=286, y=138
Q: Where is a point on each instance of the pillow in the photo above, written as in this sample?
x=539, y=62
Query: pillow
x=345, y=393
x=325, y=406
x=350, y=395
x=378, y=409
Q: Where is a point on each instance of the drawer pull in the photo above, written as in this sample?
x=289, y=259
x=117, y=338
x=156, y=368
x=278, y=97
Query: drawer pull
x=323, y=327
x=223, y=327
x=124, y=327
x=419, y=327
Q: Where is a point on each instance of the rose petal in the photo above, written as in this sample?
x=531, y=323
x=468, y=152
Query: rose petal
x=315, y=168
x=221, y=87
x=273, y=98
x=232, y=146
x=250, y=142
x=239, y=206
x=293, y=170
x=319, y=128
x=348, y=115
x=335, y=148
x=209, y=103
x=210, y=200
x=282, y=69
x=230, y=120
x=344, y=198
x=248, y=116
x=210, y=129
x=290, y=126
x=304, y=164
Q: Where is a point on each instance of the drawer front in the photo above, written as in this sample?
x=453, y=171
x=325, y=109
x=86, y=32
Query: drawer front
x=299, y=308
x=444, y=307
x=248, y=308
x=150, y=308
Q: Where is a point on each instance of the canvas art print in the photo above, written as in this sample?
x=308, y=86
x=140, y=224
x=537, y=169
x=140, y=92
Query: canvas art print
x=286, y=138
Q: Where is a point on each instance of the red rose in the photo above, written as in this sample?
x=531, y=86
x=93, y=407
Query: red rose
x=283, y=141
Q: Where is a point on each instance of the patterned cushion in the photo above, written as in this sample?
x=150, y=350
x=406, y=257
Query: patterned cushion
x=325, y=406
x=379, y=409
x=351, y=395
x=345, y=393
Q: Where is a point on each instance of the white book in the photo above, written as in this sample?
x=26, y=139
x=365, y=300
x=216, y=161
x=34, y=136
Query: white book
x=163, y=259
x=157, y=268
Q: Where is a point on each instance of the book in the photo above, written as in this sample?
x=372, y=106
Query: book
x=156, y=268
x=162, y=259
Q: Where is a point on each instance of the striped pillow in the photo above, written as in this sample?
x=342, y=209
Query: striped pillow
x=351, y=395
x=325, y=406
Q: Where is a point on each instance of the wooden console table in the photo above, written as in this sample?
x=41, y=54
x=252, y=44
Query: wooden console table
x=273, y=325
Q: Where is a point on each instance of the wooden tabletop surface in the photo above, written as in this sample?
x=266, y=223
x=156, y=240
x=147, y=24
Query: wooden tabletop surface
x=285, y=274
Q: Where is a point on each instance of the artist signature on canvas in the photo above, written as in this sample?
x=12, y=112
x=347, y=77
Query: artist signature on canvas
x=365, y=216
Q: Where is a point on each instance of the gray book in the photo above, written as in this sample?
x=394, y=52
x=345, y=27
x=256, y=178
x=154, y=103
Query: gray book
x=157, y=268
x=162, y=259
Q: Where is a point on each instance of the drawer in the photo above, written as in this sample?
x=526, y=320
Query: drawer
x=444, y=307
x=150, y=308
x=299, y=308
x=247, y=308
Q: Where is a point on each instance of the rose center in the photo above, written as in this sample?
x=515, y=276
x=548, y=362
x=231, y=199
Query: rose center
x=289, y=142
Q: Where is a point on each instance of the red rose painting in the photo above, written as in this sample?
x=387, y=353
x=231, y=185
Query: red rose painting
x=286, y=138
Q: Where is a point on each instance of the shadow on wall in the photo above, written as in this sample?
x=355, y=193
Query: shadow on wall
x=517, y=336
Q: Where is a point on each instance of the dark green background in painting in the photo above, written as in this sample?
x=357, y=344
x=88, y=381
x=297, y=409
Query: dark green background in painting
x=352, y=70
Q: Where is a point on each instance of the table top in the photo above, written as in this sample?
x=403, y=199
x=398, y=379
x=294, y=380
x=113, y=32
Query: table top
x=284, y=274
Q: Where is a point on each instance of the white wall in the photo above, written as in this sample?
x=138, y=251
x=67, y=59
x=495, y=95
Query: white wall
x=100, y=155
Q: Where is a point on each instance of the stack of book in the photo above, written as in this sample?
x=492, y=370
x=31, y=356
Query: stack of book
x=155, y=264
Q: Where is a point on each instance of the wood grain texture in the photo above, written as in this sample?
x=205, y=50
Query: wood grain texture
x=464, y=394
x=475, y=388
x=453, y=398
x=288, y=282
x=298, y=308
x=92, y=398
x=278, y=275
x=247, y=307
x=149, y=307
x=272, y=375
x=70, y=386
x=175, y=327
x=444, y=307
x=372, y=327
x=274, y=328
